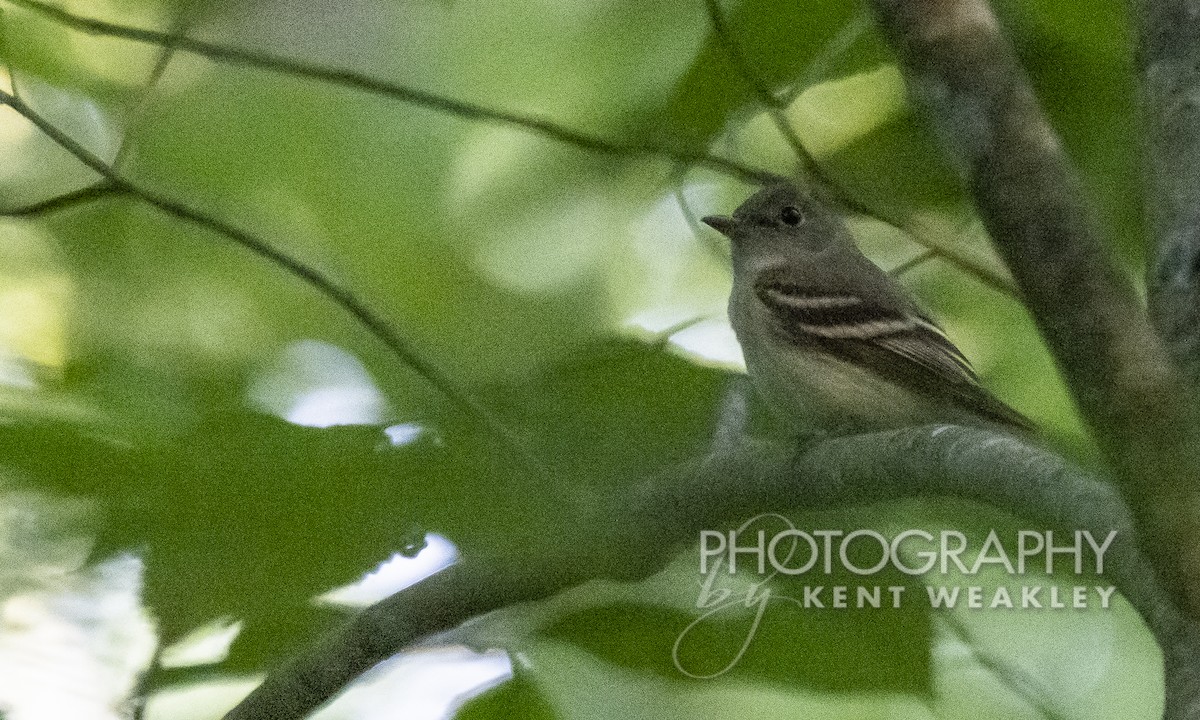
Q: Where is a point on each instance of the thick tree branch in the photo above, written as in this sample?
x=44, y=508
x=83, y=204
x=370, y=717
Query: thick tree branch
x=963, y=71
x=637, y=532
x=1169, y=79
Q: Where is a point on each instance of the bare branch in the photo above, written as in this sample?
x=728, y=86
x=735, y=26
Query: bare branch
x=963, y=71
x=916, y=260
x=766, y=98
x=934, y=240
x=823, y=180
x=635, y=533
x=6, y=53
x=322, y=283
x=718, y=249
x=837, y=46
x=395, y=91
x=663, y=337
x=472, y=111
x=165, y=55
x=91, y=193
x=1022, y=684
x=1169, y=79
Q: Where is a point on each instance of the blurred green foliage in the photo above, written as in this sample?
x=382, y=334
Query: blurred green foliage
x=135, y=350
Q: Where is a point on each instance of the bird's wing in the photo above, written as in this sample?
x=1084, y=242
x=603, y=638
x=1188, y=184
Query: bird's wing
x=905, y=347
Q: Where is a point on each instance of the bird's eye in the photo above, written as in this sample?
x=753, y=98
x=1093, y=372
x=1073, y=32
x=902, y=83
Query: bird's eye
x=791, y=215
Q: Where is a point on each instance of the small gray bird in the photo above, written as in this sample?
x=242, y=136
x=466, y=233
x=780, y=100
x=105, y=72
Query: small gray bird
x=832, y=342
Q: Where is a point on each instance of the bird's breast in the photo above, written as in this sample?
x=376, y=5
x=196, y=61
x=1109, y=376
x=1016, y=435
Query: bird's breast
x=810, y=389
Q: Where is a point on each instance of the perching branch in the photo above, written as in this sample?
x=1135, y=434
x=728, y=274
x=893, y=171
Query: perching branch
x=640, y=529
x=1168, y=61
x=374, y=323
x=964, y=73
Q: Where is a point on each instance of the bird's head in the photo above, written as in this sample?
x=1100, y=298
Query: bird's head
x=779, y=214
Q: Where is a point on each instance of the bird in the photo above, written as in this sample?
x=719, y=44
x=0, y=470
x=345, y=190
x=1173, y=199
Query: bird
x=832, y=343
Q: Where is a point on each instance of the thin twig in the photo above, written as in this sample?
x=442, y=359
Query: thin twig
x=91, y=193
x=165, y=55
x=663, y=337
x=718, y=249
x=919, y=259
x=396, y=91
x=837, y=46
x=714, y=245
x=926, y=236
x=823, y=180
x=1017, y=679
x=472, y=111
x=771, y=103
x=6, y=53
x=344, y=297
x=774, y=107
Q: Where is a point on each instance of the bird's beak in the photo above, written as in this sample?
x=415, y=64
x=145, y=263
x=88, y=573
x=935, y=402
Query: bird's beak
x=721, y=223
